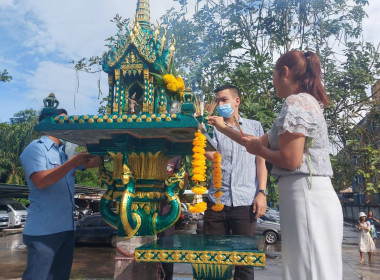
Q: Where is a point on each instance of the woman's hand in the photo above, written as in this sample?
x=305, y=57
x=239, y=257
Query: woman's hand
x=252, y=144
x=217, y=122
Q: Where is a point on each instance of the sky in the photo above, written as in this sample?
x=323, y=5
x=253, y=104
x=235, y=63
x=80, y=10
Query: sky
x=39, y=39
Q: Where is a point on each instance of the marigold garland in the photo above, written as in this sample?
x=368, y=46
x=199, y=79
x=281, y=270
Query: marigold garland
x=217, y=180
x=174, y=84
x=199, y=190
x=199, y=171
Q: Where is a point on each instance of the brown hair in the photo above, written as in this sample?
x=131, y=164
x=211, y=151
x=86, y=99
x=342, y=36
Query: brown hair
x=306, y=70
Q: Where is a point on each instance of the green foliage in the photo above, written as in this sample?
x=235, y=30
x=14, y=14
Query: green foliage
x=272, y=191
x=5, y=77
x=14, y=137
x=23, y=201
x=239, y=41
x=88, y=177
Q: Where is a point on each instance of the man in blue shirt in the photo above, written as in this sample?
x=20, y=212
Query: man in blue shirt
x=49, y=229
x=244, y=175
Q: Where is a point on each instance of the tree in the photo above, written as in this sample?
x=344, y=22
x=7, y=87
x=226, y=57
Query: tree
x=5, y=77
x=238, y=41
x=14, y=137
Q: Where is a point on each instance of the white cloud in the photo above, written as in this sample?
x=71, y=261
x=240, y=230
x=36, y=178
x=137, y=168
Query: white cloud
x=6, y=3
x=79, y=28
x=371, y=24
x=52, y=77
x=43, y=35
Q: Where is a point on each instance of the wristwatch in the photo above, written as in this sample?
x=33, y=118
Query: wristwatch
x=264, y=192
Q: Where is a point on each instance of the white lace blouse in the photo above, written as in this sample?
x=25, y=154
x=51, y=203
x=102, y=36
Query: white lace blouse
x=301, y=113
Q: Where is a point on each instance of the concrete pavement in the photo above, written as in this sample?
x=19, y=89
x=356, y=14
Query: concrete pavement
x=97, y=262
x=352, y=270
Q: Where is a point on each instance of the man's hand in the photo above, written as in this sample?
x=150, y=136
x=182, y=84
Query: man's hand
x=83, y=159
x=217, y=122
x=260, y=205
x=92, y=162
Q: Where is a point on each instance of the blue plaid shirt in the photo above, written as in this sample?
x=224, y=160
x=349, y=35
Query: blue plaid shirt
x=51, y=208
x=239, y=175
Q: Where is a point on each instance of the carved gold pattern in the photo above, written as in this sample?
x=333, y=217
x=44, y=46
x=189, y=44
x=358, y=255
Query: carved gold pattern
x=201, y=257
x=124, y=219
x=148, y=166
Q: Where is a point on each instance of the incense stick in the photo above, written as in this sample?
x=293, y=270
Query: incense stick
x=238, y=126
x=210, y=107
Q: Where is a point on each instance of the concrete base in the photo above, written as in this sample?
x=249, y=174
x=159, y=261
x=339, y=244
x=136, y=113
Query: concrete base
x=128, y=269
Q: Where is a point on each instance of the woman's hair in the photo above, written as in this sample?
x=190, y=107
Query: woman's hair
x=306, y=71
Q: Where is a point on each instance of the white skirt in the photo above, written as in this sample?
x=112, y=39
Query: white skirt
x=311, y=228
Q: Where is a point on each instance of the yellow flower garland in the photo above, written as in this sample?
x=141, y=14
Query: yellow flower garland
x=217, y=180
x=174, y=84
x=199, y=170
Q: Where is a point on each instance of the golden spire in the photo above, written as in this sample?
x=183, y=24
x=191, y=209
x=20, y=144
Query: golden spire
x=143, y=13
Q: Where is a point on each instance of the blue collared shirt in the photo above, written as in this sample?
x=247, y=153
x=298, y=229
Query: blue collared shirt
x=239, y=175
x=51, y=208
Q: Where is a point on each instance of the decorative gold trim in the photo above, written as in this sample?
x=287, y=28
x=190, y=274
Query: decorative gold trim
x=124, y=219
x=201, y=257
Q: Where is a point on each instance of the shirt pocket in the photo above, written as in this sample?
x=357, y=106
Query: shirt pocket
x=53, y=163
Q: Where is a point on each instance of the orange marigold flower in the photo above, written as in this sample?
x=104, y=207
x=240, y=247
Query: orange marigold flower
x=217, y=207
x=217, y=157
x=199, y=190
x=218, y=194
x=199, y=170
x=199, y=157
x=198, y=177
x=198, y=149
x=201, y=207
x=200, y=136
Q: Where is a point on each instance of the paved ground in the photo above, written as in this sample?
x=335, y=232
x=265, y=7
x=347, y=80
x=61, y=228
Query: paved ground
x=97, y=262
x=351, y=268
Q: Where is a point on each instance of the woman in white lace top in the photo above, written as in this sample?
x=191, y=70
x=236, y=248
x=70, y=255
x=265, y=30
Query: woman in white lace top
x=298, y=146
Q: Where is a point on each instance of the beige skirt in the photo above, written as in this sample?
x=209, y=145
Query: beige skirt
x=311, y=228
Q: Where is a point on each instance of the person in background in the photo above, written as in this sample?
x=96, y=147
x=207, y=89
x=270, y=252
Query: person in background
x=49, y=229
x=244, y=176
x=298, y=147
x=372, y=221
x=366, y=244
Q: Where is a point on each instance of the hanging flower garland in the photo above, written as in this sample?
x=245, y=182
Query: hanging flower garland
x=199, y=171
x=217, y=181
x=174, y=84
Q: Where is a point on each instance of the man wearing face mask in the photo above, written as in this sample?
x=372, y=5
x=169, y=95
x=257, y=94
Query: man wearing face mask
x=244, y=176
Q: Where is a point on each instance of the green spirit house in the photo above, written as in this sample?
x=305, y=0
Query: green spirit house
x=140, y=132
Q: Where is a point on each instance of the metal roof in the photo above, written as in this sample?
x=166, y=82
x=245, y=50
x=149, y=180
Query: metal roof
x=17, y=191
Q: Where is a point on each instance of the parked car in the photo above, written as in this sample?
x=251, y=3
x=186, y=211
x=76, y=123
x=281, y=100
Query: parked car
x=16, y=211
x=272, y=211
x=80, y=212
x=185, y=216
x=4, y=219
x=270, y=230
x=270, y=218
x=93, y=229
